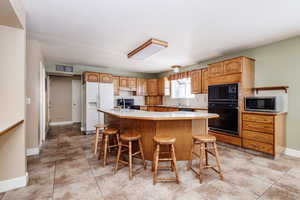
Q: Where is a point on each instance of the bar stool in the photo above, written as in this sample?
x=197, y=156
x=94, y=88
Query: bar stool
x=106, y=146
x=206, y=143
x=130, y=138
x=98, y=128
x=169, y=142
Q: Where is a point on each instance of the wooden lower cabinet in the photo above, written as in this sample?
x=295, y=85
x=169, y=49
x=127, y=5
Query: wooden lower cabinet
x=234, y=140
x=264, y=132
x=258, y=146
x=258, y=136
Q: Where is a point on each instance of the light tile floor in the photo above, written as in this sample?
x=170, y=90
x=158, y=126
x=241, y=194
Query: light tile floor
x=67, y=169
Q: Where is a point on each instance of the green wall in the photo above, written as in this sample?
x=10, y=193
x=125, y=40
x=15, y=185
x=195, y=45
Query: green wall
x=276, y=64
x=78, y=69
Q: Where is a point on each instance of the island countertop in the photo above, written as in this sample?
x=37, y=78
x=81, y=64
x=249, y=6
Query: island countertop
x=147, y=115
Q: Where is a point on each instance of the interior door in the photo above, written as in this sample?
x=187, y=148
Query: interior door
x=76, y=100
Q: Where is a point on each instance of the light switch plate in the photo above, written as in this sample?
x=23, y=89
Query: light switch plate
x=28, y=100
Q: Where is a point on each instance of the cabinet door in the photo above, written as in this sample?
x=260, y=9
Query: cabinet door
x=204, y=78
x=106, y=78
x=216, y=69
x=141, y=87
x=132, y=83
x=233, y=66
x=152, y=87
x=116, y=82
x=123, y=82
x=161, y=86
x=196, y=81
x=92, y=77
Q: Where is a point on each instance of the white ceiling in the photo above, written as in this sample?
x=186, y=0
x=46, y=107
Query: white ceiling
x=101, y=32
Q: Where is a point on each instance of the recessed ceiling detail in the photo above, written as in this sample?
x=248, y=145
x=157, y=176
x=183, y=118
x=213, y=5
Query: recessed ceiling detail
x=147, y=49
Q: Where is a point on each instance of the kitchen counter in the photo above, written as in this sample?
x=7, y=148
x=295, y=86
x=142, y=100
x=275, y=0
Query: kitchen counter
x=176, y=106
x=183, y=106
x=146, y=115
x=179, y=124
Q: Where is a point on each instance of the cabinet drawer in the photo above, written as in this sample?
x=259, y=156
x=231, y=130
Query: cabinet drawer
x=260, y=127
x=258, y=118
x=257, y=136
x=258, y=146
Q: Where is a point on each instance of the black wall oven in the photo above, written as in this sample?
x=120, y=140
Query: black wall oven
x=223, y=100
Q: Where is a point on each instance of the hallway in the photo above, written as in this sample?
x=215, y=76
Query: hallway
x=67, y=169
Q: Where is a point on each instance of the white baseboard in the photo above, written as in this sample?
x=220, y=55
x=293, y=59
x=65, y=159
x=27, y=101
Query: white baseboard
x=60, y=123
x=32, y=151
x=292, y=152
x=14, y=183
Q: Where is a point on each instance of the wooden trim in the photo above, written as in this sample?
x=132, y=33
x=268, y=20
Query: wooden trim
x=146, y=44
x=285, y=88
x=160, y=118
x=8, y=129
x=265, y=113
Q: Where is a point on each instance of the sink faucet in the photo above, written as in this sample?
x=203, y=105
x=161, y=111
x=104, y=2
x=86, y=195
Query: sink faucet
x=123, y=100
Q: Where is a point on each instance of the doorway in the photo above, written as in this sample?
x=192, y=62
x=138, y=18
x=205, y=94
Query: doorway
x=60, y=104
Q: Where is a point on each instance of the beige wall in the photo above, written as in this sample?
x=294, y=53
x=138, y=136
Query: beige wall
x=60, y=99
x=12, y=90
x=277, y=64
x=33, y=59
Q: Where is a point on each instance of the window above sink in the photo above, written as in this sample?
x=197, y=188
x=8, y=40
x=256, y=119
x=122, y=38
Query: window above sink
x=181, y=88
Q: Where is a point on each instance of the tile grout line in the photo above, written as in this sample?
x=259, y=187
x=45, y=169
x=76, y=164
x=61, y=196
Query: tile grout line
x=98, y=186
x=273, y=184
x=54, y=180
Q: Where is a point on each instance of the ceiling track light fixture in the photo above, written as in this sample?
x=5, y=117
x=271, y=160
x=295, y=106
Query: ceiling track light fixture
x=147, y=49
x=176, y=68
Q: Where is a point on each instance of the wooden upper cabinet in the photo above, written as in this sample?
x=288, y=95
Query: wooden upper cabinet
x=123, y=82
x=91, y=76
x=161, y=87
x=164, y=86
x=153, y=100
x=167, y=87
x=106, y=78
x=196, y=81
x=141, y=87
x=216, y=69
x=131, y=83
x=204, y=80
x=152, y=87
x=233, y=66
x=116, y=83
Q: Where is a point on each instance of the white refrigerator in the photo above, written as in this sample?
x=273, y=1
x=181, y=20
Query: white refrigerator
x=97, y=95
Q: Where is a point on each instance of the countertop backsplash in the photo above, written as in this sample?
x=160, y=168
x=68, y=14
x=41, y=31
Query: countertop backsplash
x=200, y=100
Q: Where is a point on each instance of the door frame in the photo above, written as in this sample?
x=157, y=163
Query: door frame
x=42, y=115
x=80, y=99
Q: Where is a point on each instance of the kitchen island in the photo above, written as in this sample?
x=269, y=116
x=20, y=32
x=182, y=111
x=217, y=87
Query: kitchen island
x=181, y=125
